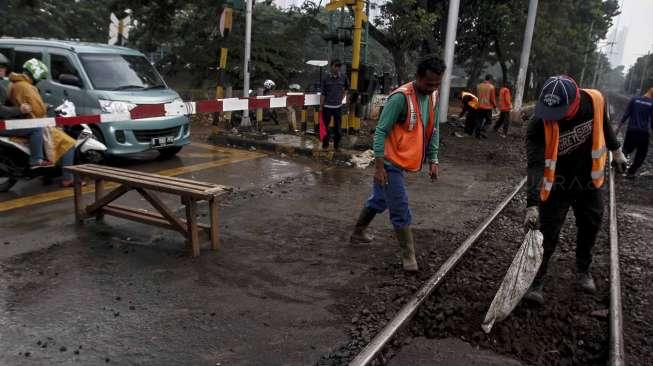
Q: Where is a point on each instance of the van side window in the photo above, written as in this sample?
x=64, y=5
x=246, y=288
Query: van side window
x=21, y=56
x=9, y=54
x=60, y=64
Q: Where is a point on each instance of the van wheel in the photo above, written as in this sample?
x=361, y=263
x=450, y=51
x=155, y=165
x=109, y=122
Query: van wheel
x=169, y=152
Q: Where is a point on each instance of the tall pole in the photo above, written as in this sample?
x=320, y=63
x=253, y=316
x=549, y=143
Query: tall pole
x=597, y=68
x=449, y=48
x=582, y=73
x=525, y=54
x=248, y=51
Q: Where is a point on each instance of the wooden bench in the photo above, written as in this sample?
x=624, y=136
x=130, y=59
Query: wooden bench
x=146, y=184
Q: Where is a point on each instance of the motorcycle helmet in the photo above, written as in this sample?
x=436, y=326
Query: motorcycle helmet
x=269, y=84
x=35, y=69
x=294, y=87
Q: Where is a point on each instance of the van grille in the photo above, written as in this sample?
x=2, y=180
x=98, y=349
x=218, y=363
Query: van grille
x=148, y=135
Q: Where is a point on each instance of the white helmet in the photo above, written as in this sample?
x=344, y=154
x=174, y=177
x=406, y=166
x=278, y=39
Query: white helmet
x=294, y=87
x=269, y=84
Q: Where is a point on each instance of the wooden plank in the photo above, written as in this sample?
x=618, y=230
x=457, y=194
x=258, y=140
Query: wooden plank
x=136, y=178
x=148, y=175
x=135, y=215
x=199, y=186
x=79, y=200
x=191, y=223
x=215, y=225
x=163, y=209
x=156, y=216
x=147, y=185
x=99, y=193
x=106, y=199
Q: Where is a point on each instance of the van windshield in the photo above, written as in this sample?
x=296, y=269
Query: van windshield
x=112, y=71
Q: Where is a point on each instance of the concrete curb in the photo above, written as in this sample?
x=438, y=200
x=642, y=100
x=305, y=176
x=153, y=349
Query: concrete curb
x=225, y=139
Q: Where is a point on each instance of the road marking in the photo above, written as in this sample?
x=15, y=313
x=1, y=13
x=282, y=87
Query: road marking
x=236, y=156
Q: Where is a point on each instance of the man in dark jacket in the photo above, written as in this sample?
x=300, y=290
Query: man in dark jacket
x=334, y=88
x=640, y=113
x=567, y=145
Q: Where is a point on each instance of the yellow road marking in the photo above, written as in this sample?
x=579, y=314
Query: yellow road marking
x=236, y=157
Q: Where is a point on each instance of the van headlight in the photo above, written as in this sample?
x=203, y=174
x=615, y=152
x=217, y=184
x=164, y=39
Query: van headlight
x=112, y=106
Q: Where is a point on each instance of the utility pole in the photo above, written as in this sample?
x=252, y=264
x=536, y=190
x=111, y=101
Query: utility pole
x=523, y=62
x=582, y=73
x=595, y=79
x=245, y=122
x=449, y=48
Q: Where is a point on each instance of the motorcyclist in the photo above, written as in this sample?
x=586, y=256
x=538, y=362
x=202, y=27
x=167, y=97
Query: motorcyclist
x=21, y=108
x=23, y=90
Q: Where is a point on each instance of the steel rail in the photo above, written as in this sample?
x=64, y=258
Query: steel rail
x=617, y=356
x=404, y=315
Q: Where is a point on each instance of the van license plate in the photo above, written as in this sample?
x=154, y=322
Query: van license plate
x=162, y=141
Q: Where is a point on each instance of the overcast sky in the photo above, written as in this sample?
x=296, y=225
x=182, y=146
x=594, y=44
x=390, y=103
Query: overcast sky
x=637, y=15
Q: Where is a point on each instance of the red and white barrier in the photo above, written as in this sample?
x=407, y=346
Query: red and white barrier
x=177, y=108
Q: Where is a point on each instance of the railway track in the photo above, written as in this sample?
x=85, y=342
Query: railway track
x=405, y=314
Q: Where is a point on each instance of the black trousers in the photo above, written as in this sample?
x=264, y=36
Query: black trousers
x=588, y=210
x=504, y=120
x=636, y=141
x=484, y=119
x=470, y=121
x=336, y=113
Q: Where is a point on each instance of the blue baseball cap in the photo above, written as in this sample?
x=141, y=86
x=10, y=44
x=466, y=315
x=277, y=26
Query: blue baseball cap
x=557, y=94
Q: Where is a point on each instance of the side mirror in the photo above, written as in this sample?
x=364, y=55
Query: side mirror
x=72, y=80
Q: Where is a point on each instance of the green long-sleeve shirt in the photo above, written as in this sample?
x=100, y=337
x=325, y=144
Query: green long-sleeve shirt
x=394, y=110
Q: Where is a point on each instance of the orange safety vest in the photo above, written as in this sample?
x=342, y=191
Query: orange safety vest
x=407, y=142
x=599, y=150
x=472, y=103
x=505, y=100
x=486, y=96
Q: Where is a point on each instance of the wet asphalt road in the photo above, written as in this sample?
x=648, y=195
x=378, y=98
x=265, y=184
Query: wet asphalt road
x=124, y=293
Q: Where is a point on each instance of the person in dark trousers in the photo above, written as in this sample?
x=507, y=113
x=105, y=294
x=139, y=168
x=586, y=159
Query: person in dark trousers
x=470, y=107
x=640, y=114
x=505, y=106
x=486, y=104
x=567, y=147
x=406, y=136
x=334, y=88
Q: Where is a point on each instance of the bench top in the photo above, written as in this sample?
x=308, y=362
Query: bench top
x=136, y=179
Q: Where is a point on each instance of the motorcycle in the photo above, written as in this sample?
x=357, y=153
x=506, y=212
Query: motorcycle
x=15, y=153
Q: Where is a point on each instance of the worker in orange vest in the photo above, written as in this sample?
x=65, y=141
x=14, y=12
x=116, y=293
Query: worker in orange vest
x=470, y=107
x=567, y=147
x=505, y=106
x=486, y=104
x=406, y=136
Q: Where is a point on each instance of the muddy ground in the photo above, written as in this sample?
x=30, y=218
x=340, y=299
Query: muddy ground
x=570, y=329
x=287, y=288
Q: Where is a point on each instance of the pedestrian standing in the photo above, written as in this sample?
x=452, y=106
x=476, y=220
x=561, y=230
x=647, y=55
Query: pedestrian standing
x=486, y=104
x=406, y=136
x=640, y=115
x=567, y=148
x=505, y=106
x=334, y=89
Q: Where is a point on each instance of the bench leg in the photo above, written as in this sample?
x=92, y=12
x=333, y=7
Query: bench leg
x=192, y=233
x=79, y=202
x=99, y=193
x=215, y=228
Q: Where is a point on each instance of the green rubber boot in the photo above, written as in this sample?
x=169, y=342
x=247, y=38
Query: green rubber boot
x=360, y=234
x=407, y=244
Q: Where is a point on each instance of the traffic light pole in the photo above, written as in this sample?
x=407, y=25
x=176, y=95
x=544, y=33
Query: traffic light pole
x=245, y=122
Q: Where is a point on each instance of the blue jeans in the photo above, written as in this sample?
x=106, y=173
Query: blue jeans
x=392, y=197
x=35, y=142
